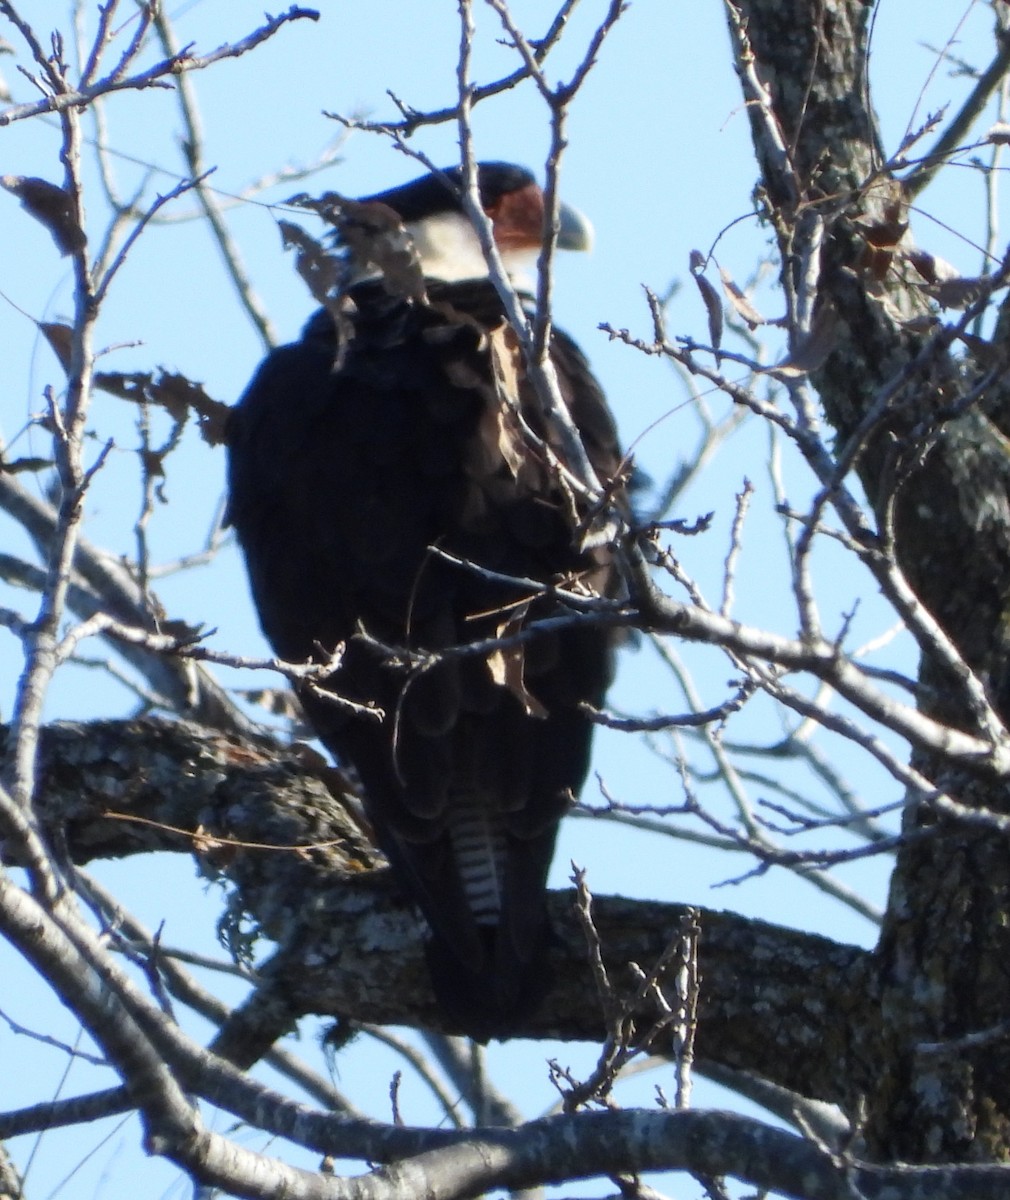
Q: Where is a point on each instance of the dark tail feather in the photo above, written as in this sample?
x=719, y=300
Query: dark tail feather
x=495, y=1000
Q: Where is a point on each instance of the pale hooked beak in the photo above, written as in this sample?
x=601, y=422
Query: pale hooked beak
x=575, y=232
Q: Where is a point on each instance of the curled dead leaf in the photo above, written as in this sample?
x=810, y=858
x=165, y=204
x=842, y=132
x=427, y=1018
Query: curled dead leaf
x=881, y=238
x=957, y=293
x=500, y=432
x=204, y=842
x=175, y=393
x=320, y=269
x=931, y=267
x=59, y=338
x=279, y=702
x=374, y=234
x=741, y=304
x=50, y=204
x=921, y=323
x=373, y=237
x=812, y=350
x=507, y=664
x=710, y=297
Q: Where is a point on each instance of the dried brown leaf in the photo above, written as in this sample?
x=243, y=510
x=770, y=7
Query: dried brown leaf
x=205, y=842
x=814, y=349
x=713, y=305
x=932, y=268
x=373, y=236
x=920, y=323
x=943, y=282
x=881, y=239
x=500, y=432
x=279, y=702
x=376, y=237
x=59, y=338
x=50, y=204
x=886, y=233
x=740, y=302
x=957, y=293
x=506, y=361
x=176, y=394
x=183, y=631
x=320, y=269
x=507, y=664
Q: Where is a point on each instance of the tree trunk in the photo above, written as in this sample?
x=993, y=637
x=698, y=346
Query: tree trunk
x=937, y=476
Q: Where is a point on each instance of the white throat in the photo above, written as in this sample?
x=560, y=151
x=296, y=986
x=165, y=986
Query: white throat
x=448, y=249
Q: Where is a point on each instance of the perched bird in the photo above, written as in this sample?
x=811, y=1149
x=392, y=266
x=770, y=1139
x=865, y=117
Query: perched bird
x=398, y=492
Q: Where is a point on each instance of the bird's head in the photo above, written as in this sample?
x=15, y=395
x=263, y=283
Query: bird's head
x=431, y=210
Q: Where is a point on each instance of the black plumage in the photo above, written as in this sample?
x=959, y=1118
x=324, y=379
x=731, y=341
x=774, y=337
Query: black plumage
x=354, y=460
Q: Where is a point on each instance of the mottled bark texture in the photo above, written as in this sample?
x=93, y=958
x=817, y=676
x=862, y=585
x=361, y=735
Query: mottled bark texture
x=938, y=477
x=776, y=1002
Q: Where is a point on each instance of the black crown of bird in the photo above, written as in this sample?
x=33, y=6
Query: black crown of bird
x=398, y=492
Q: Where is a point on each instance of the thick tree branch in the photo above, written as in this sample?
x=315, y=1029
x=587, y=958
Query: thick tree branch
x=273, y=826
